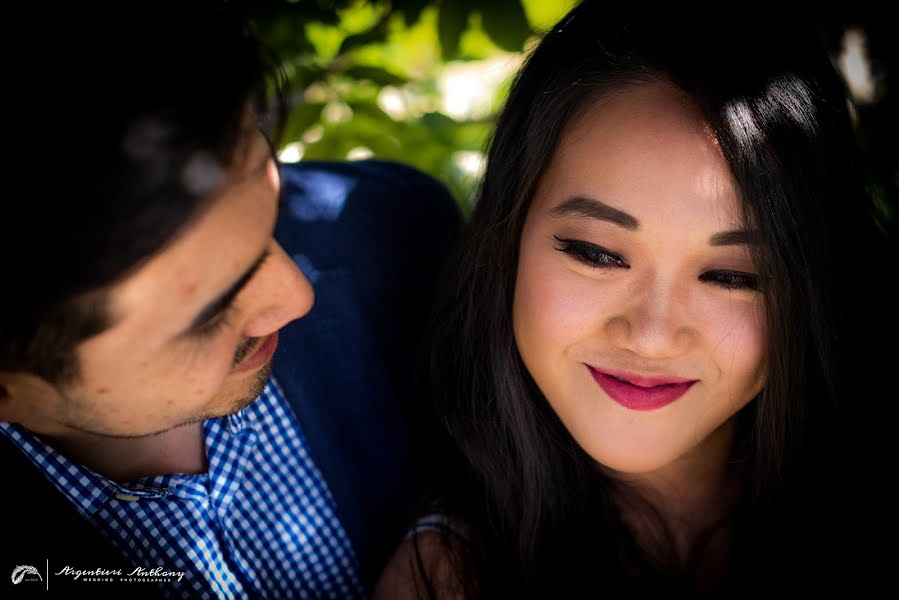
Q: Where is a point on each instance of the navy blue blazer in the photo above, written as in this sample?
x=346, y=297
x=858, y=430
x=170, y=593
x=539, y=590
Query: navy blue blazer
x=372, y=237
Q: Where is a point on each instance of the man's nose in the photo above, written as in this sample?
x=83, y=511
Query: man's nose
x=286, y=295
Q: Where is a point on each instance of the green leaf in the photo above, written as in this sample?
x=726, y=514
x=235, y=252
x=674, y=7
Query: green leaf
x=379, y=76
x=375, y=36
x=299, y=77
x=542, y=15
x=326, y=39
x=505, y=23
x=442, y=125
x=411, y=9
x=359, y=17
x=329, y=147
x=452, y=20
x=301, y=117
x=472, y=135
x=370, y=111
x=475, y=43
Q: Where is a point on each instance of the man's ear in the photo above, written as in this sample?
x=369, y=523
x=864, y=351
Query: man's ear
x=22, y=394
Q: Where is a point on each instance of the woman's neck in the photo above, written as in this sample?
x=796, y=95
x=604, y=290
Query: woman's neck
x=686, y=507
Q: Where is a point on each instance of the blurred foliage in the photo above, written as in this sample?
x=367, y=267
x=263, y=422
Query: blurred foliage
x=408, y=80
x=420, y=81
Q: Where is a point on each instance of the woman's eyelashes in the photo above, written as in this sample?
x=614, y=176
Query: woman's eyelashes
x=732, y=280
x=598, y=257
x=589, y=254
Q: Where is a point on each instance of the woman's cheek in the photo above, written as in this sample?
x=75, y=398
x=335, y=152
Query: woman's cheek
x=737, y=330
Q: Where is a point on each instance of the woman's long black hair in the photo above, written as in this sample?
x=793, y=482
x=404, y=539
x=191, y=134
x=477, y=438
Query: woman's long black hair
x=544, y=522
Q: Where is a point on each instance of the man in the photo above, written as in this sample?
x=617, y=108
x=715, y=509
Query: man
x=205, y=363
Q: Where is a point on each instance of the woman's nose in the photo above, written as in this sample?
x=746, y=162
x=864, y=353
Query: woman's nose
x=652, y=322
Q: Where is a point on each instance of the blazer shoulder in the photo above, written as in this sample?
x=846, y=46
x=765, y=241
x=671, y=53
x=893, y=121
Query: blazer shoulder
x=328, y=190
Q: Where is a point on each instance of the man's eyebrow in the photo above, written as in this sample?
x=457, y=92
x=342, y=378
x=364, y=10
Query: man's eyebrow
x=223, y=300
x=735, y=237
x=590, y=207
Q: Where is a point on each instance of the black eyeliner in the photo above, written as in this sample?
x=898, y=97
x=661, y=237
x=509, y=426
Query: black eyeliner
x=591, y=255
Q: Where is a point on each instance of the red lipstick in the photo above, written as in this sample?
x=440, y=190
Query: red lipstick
x=638, y=392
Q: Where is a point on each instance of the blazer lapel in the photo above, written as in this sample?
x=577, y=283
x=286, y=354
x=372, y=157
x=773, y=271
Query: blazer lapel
x=329, y=367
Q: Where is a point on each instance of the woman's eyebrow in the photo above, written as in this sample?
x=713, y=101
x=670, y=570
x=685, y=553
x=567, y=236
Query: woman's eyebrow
x=583, y=206
x=734, y=237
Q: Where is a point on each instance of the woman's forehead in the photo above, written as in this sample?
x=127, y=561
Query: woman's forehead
x=646, y=147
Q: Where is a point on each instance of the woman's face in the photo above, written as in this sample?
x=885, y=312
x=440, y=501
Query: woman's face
x=636, y=307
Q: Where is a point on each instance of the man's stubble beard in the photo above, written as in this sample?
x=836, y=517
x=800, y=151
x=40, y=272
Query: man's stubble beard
x=258, y=383
x=255, y=387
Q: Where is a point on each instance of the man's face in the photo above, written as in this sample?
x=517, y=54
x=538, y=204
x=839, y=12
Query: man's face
x=195, y=327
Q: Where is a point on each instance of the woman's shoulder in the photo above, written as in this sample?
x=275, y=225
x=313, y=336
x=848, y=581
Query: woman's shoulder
x=427, y=563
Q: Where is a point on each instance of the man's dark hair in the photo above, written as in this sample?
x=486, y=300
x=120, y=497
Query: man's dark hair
x=143, y=107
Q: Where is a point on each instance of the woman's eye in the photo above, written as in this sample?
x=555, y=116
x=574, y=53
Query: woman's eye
x=597, y=256
x=589, y=254
x=731, y=280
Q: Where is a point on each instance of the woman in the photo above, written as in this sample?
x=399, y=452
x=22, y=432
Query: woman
x=647, y=356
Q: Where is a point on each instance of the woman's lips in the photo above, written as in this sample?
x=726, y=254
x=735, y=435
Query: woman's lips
x=637, y=392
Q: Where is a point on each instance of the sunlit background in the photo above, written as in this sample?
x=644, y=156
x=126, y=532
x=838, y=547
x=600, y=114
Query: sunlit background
x=421, y=81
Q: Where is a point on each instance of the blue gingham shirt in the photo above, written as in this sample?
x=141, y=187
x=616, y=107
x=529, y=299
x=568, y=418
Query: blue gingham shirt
x=260, y=523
